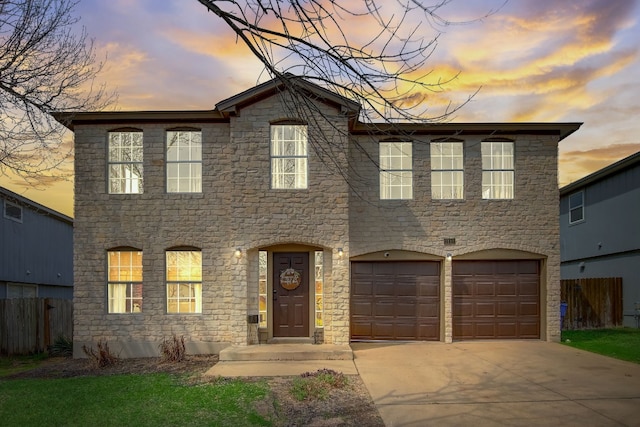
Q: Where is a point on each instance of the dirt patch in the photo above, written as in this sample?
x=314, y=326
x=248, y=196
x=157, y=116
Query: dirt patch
x=347, y=406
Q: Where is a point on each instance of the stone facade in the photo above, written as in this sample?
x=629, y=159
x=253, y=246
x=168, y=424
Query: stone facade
x=238, y=209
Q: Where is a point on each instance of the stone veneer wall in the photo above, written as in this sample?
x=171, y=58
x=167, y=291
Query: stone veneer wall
x=237, y=208
x=528, y=223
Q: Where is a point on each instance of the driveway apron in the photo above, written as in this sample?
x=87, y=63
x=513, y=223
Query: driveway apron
x=498, y=383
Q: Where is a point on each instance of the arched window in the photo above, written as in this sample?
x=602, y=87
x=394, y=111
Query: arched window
x=124, y=280
x=184, y=280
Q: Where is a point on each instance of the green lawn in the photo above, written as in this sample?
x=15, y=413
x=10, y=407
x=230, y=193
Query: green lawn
x=130, y=400
x=621, y=343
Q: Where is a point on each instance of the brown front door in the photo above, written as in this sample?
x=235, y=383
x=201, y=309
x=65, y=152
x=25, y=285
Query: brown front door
x=291, y=294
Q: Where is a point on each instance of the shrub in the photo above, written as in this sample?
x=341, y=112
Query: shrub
x=62, y=346
x=102, y=357
x=317, y=385
x=173, y=350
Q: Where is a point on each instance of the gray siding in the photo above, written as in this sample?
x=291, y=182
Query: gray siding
x=607, y=242
x=37, y=251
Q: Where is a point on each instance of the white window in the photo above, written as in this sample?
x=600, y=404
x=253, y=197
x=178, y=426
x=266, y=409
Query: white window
x=124, y=282
x=262, y=289
x=12, y=211
x=319, y=266
x=576, y=207
x=184, y=162
x=497, y=170
x=184, y=281
x=125, y=163
x=396, y=170
x=289, y=156
x=447, y=170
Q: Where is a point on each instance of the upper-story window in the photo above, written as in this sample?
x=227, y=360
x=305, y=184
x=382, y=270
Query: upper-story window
x=184, y=161
x=447, y=170
x=12, y=211
x=289, y=156
x=184, y=281
x=576, y=207
x=125, y=162
x=498, y=171
x=396, y=170
x=124, y=281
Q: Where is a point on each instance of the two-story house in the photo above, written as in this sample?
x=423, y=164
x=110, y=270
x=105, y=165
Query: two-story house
x=279, y=216
x=600, y=230
x=36, y=249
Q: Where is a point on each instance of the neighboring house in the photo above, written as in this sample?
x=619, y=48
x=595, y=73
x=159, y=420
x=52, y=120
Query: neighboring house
x=253, y=223
x=600, y=229
x=36, y=249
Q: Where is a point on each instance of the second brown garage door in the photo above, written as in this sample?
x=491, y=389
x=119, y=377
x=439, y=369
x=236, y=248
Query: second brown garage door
x=496, y=299
x=395, y=300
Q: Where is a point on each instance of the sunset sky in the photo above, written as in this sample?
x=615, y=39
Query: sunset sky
x=533, y=60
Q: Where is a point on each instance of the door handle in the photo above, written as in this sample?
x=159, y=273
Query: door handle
x=275, y=295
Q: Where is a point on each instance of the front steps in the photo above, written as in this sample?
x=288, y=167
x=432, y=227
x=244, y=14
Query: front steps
x=285, y=352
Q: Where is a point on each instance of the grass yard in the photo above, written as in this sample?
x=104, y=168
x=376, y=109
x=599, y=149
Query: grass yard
x=621, y=343
x=122, y=400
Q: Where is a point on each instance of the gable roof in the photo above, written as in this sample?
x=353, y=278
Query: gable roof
x=603, y=173
x=287, y=82
x=23, y=201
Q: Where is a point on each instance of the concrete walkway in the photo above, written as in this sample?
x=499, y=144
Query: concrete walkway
x=503, y=383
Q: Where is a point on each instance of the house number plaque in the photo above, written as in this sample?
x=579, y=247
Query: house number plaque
x=290, y=279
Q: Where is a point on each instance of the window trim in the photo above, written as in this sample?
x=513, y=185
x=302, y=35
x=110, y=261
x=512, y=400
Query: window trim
x=8, y=204
x=167, y=282
x=581, y=206
x=182, y=162
x=109, y=163
x=129, y=290
x=444, y=170
x=304, y=156
x=383, y=172
x=512, y=170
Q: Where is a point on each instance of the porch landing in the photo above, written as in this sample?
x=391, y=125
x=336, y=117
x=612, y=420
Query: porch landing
x=283, y=360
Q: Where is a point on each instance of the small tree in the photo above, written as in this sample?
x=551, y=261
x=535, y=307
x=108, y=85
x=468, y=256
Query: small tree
x=46, y=64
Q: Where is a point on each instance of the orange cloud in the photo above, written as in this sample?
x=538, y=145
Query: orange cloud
x=574, y=165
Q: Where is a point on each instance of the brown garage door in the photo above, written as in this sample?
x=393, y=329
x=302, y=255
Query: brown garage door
x=395, y=300
x=496, y=299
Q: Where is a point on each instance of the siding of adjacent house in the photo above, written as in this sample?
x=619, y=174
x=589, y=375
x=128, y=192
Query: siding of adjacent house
x=36, y=251
x=607, y=242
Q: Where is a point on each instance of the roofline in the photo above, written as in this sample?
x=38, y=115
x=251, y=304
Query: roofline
x=229, y=105
x=35, y=205
x=563, y=130
x=602, y=173
x=72, y=119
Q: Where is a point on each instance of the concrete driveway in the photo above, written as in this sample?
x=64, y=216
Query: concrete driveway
x=514, y=383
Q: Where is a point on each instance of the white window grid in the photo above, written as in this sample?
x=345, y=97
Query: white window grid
x=184, y=161
x=125, y=154
x=396, y=170
x=12, y=211
x=184, y=281
x=124, y=281
x=498, y=171
x=447, y=170
x=289, y=157
x=576, y=207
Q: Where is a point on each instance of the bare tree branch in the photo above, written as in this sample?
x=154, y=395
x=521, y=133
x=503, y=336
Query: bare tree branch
x=45, y=65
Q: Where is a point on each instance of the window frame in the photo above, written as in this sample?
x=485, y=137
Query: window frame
x=131, y=287
x=8, y=204
x=581, y=207
x=443, y=171
x=127, y=181
x=277, y=158
x=194, y=183
x=501, y=170
x=386, y=171
x=194, y=286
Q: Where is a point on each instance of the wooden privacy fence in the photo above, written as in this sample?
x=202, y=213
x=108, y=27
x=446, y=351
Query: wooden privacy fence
x=592, y=303
x=31, y=325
